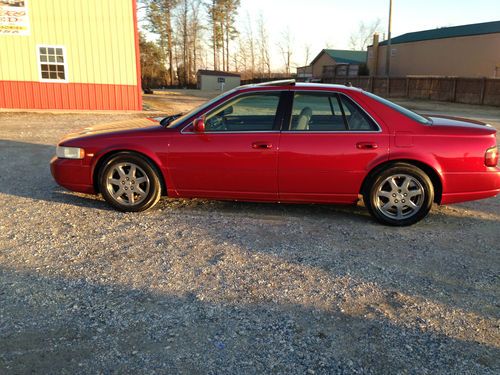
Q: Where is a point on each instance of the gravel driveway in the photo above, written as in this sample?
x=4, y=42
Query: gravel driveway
x=203, y=287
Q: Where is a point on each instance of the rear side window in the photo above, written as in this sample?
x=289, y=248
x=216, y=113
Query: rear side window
x=355, y=117
x=327, y=112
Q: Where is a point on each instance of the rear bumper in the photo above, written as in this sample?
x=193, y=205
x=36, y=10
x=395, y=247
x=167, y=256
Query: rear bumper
x=72, y=174
x=462, y=187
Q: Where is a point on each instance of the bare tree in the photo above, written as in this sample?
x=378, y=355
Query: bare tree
x=360, y=39
x=264, y=54
x=307, y=53
x=251, y=46
x=183, y=20
x=195, y=30
x=159, y=16
x=215, y=19
x=286, y=49
x=230, y=12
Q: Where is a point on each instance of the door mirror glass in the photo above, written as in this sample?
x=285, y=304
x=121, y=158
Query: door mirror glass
x=199, y=125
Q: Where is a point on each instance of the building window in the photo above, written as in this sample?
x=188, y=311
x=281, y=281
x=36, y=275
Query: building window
x=52, y=63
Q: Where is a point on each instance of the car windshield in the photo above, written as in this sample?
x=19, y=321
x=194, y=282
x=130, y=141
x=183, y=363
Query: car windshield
x=191, y=113
x=406, y=112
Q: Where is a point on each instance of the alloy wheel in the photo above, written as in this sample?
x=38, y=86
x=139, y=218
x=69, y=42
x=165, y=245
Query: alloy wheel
x=127, y=183
x=400, y=196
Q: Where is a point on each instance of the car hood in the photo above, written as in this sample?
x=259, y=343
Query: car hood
x=114, y=127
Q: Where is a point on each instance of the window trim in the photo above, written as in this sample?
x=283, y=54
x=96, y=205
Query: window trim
x=65, y=64
x=287, y=127
x=278, y=120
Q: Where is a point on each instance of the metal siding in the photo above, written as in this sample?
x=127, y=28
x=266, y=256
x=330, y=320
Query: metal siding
x=100, y=38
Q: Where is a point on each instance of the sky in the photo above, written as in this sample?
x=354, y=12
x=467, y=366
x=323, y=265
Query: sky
x=329, y=23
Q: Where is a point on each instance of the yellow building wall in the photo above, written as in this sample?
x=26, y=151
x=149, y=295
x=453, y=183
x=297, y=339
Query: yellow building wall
x=98, y=36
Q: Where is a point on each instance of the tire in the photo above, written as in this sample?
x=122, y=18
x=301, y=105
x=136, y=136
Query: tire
x=399, y=195
x=129, y=182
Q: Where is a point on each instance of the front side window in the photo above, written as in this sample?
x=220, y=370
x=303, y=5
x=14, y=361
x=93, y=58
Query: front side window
x=252, y=112
x=52, y=63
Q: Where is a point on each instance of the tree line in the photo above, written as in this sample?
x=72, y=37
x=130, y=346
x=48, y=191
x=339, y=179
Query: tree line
x=181, y=36
x=199, y=34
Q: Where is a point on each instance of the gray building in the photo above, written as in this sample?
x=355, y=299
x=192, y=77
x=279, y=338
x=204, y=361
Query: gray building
x=213, y=80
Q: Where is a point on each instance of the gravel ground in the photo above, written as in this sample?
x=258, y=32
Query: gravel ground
x=205, y=287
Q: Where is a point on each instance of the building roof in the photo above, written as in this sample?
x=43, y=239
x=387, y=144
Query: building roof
x=343, y=56
x=447, y=32
x=217, y=73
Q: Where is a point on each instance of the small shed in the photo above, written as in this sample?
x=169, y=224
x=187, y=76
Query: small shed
x=213, y=80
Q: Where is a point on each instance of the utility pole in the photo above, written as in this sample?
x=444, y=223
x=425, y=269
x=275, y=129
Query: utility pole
x=388, y=56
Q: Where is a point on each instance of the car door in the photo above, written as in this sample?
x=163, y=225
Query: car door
x=327, y=148
x=236, y=156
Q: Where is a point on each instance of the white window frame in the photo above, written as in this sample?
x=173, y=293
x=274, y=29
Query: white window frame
x=65, y=64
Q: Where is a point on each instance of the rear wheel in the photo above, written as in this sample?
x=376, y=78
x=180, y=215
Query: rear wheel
x=400, y=195
x=129, y=182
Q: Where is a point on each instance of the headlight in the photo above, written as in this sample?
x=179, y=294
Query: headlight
x=70, y=152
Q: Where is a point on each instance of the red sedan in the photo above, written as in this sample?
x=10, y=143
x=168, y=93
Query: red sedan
x=287, y=142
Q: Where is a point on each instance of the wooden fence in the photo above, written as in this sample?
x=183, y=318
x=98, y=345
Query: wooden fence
x=451, y=89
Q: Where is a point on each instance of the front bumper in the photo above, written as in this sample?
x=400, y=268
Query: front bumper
x=72, y=174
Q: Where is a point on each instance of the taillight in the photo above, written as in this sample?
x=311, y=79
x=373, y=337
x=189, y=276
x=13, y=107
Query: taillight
x=491, y=157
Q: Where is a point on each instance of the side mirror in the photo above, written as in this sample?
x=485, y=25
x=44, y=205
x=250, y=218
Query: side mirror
x=199, y=125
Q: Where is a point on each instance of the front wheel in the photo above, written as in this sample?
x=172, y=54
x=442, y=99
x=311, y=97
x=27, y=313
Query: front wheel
x=400, y=195
x=129, y=182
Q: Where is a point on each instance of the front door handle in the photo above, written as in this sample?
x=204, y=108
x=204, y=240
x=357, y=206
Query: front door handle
x=262, y=145
x=367, y=145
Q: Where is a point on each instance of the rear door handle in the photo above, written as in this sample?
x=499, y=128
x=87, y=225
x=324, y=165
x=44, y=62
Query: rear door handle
x=366, y=145
x=262, y=145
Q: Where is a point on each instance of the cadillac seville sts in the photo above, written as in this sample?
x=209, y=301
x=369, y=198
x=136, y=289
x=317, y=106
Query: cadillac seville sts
x=288, y=142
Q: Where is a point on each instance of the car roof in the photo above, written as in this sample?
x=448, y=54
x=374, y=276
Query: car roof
x=298, y=85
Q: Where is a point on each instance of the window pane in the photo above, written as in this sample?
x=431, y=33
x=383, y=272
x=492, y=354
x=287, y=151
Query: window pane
x=52, y=63
x=356, y=118
x=248, y=113
x=316, y=112
x=404, y=111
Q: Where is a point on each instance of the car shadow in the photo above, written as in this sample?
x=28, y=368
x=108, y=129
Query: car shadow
x=62, y=324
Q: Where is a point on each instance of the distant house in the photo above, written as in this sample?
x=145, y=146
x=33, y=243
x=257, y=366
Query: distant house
x=213, y=80
x=334, y=62
x=465, y=51
x=304, y=73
